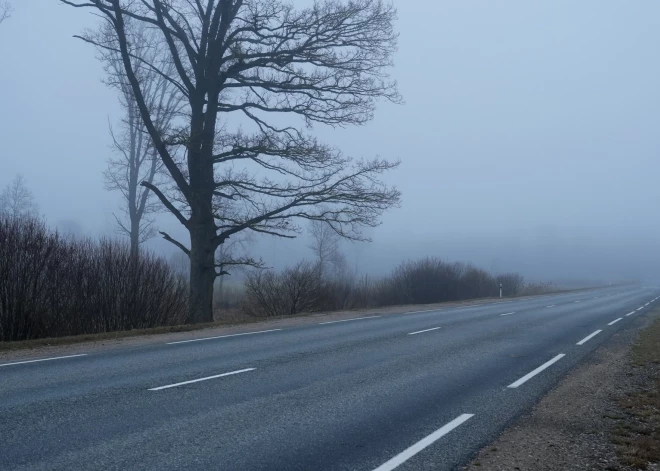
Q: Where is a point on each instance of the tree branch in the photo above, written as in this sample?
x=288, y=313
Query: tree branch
x=167, y=237
x=167, y=203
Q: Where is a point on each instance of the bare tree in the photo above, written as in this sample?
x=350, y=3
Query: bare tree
x=5, y=11
x=339, y=267
x=17, y=200
x=136, y=158
x=325, y=245
x=255, y=74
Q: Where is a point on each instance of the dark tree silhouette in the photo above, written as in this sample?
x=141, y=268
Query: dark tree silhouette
x=255, y=75
x=136, y=159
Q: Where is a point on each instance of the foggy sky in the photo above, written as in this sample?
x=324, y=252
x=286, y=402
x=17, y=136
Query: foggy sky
x=528, y=138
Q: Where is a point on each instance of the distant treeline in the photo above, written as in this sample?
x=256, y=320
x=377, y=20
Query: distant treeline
x=301, y=288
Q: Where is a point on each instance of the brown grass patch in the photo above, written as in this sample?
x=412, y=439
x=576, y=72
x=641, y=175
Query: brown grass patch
x=637, y=433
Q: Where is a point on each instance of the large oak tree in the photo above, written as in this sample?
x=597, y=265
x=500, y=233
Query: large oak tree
x=256, y=76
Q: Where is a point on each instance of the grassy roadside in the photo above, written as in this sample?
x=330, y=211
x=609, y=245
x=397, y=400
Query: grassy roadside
x=637, y=430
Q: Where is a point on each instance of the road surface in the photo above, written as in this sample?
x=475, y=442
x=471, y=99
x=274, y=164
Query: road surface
x=409, y=392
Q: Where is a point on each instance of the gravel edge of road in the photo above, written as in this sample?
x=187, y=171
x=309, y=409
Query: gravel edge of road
x=571, y=427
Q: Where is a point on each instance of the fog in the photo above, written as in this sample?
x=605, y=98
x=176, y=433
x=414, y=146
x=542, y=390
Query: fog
x=528, y=137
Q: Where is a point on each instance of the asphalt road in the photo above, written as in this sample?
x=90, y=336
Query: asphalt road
x=413, y=392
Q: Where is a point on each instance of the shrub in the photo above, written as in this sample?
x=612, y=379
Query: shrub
x=431, y=280
x=425, y=281
x=296, y=289
x=53, y=286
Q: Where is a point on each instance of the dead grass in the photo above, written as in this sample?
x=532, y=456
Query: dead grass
x=647, y=350
x=637, y=433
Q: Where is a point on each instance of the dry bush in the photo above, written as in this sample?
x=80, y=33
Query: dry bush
x=294, y=290
x=51, y=286
x=431, y=280
x=424, y=281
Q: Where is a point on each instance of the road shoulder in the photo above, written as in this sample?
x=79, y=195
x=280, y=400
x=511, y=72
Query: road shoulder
x=87, y=343
x=585, y=422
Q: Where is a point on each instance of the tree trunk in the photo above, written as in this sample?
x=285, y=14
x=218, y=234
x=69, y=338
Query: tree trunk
x=202, y=223
x=202, y=274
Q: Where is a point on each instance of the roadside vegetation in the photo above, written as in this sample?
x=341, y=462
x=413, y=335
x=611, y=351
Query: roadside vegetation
x=52, y=285
x=218, y=106
x=219, y=101
x=303, y=287
x=637, y=431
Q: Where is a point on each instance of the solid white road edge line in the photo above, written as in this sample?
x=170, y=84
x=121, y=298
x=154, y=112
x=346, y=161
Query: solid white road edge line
x=201, y=379
x=348, y=320
x=223, y=336
x=615, y=321
x=508, y=313
x=533, y=373
x=630, y=313
x=423, y=443
x=43, y=359
x=588, y=337
x=426, y=330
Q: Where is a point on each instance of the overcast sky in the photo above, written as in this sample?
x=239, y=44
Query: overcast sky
x=529, y=135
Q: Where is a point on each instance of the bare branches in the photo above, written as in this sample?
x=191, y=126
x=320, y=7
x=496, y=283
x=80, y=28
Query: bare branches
x=136, y=159
x=278, y=70
x=243, y=262
x=344, y=199
x=169, y=238
x=324, y=243
x=166, y=202
x=115, y=12
x=324, y=63
x=295, y=290
x=5, y=11
x=17, y=200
